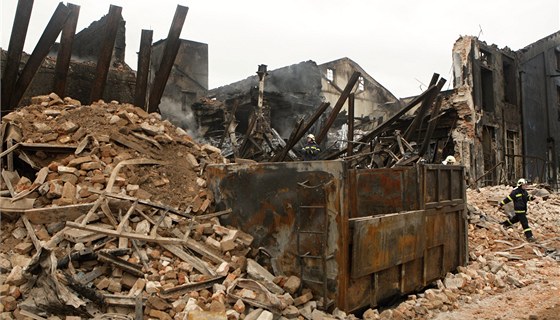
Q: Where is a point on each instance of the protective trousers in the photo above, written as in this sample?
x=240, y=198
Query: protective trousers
x=520, y=217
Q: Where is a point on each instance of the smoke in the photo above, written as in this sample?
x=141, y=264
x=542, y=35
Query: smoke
x=181, y=116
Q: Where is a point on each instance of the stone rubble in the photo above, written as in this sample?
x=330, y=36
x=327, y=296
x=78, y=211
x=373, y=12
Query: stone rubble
x=241, y=288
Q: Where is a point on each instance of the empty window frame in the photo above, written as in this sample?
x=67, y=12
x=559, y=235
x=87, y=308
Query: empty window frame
x=512, y=140
x=485, y=58
x=558, y=101
x=557, y=54
x=330, y=74
x=487, y=89
x=361, y=86
x=510, y=87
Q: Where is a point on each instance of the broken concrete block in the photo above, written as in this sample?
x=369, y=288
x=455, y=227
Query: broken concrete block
x=68, y=127
x=151, y=129
x=158, y=303
x=303, y=298
x=41, y=127
x=16, y=277
x=454, y=282
x=266, y=315
x=211, y=149
x=78, y=161
x=24, y=247
x=160, y=314
x=191, y=159
x=88, y=166
x=292, y=284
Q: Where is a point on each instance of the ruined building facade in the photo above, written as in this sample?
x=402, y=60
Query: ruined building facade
x=508, y=109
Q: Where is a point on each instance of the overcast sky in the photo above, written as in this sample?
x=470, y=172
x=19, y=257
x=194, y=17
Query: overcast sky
x=400, y=43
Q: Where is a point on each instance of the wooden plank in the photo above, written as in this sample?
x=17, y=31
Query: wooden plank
x=31, y=233
x=124, y=140
x=198, y=264
x=199, y=248
x=15, y=206
x=57, y=214
x=10, y=178
x=130, y=235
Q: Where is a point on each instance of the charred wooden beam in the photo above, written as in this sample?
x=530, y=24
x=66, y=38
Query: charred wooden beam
x=143, y=68
x=39, y=53
x=105, y=53
x=336, y=109
x=426, y=104
x=431, y=127
x=382, y=127
x=350, y=135
x=65, y=50
x=120, y=263
x=15, y=49
x=169, y=54
x=185, y=288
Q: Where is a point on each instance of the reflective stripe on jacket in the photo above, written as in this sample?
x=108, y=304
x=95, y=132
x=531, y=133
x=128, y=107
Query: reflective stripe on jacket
x=519, y=197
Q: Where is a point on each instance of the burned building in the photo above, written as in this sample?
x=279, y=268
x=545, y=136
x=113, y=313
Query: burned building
x=507, y=106
x=296, y=91
x=187, y=82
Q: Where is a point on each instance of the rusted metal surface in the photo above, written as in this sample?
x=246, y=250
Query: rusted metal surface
x=390, y=231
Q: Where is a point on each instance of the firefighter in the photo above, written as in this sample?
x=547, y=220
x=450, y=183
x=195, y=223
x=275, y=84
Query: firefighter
x=311, y=149
x=450, y=160
x=519, y=196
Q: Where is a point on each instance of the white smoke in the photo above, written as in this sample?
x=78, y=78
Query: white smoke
x=180, y=115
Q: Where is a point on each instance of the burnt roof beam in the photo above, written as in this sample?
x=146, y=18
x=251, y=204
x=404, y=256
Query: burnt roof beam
x=65, y=51
x=167, y=60
x=15, y=50
x=105, y=53
x=143, y=68
x=338, y=106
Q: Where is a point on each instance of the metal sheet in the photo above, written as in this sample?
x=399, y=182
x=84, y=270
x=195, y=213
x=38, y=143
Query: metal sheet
x=385, y=241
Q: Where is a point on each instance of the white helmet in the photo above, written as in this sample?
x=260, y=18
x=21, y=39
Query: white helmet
x=449, y=160
x=311, y=136
x=521, y=182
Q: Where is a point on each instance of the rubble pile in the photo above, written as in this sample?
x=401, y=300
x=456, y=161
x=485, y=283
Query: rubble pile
x=501, y=259
x=106, y=215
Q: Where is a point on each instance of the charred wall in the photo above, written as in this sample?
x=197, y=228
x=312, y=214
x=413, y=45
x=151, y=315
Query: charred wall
x=488, y=134
x=188, y=80
x=540, y=92
x=120, y=81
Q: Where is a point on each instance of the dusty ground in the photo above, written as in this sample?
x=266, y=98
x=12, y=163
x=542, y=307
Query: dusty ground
x=540, y=298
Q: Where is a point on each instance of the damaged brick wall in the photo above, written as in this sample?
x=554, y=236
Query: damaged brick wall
x=489, y=129
x=120, y=81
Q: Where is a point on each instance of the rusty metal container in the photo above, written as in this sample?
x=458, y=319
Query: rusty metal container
x=358, y=237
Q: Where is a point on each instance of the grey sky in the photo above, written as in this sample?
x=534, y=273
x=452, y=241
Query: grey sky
x=399, y=43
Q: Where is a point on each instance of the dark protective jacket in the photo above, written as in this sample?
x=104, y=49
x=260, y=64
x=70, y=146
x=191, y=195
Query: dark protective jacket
x=311, y=151
x=519, y=197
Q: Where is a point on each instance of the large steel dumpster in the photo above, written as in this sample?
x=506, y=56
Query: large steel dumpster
x=356, y=236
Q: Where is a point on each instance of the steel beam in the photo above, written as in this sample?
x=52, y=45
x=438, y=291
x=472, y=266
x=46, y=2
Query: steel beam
x=15, y=49
x=143, y=68
x=39, y=53
x=105, y=53
x=169, y=53
x=65, y=50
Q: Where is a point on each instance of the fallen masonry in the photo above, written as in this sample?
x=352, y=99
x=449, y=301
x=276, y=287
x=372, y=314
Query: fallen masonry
x=100, y=219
